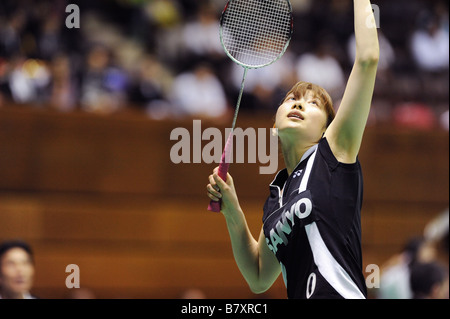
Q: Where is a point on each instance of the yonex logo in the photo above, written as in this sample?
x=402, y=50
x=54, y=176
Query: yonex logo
x=297, y=173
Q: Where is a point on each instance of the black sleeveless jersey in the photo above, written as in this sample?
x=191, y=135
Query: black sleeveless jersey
x=312, y=223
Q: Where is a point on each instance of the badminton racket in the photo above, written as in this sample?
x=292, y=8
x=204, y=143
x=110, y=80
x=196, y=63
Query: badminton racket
x=254, y=34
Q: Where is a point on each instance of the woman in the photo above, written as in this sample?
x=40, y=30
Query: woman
x=311, y=224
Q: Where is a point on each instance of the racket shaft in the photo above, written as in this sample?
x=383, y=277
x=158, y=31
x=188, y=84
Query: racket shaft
x=226, y=158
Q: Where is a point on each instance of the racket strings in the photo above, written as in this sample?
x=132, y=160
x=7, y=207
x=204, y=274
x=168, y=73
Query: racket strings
x=256, y=32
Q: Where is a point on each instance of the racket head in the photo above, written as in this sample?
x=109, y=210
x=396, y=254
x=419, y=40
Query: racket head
x=256, y=33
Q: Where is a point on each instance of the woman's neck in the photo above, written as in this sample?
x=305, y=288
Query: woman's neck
x=292, y=154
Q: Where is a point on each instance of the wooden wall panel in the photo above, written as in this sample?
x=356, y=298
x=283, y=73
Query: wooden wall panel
x=102, y=193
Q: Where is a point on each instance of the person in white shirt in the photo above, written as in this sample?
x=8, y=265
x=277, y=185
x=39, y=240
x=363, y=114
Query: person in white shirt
x=430, y=47
x=198, y=93
x=322, y=68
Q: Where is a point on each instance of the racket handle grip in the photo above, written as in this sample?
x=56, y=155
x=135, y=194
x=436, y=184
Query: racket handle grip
x=222, y=172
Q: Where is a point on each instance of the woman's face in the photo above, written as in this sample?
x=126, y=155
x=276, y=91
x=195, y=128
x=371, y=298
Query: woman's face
x=302, y=116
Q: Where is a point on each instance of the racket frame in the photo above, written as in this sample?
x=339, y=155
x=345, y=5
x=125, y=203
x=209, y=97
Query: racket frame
x=225, y=160
x=261, y=65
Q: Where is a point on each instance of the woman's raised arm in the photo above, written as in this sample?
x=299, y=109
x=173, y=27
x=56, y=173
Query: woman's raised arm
x=346, y=131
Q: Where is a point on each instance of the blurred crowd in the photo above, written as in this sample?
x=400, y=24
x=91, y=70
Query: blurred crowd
x=420, y=270
x=164, y=58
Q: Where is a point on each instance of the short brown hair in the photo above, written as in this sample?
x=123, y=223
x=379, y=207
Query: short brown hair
x=301, y=88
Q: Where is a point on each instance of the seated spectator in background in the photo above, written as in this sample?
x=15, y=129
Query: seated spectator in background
x=322, y=68
x=11, y=27
x=429, y=281
x=5, y=91
x=444, y=120
x=395, y=274
x=198, y=93
x=28, y=79
x=430, y=45
x=264, y=87
x=16, y=270
x=50, y=38
x=200, y=37
x=149, y=81
x=103, y=86
x=62, y=89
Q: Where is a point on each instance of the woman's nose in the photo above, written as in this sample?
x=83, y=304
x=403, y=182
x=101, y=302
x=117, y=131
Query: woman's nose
x=297, y=106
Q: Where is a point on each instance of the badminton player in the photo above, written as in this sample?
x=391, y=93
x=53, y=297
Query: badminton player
x=311, y=229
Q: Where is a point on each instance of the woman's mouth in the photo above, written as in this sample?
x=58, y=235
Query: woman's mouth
x=295, y=115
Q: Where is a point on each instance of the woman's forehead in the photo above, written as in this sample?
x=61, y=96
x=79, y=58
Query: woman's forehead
x=302, y=93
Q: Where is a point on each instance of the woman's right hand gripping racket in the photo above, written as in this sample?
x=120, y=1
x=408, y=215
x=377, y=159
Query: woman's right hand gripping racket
x=254, y=34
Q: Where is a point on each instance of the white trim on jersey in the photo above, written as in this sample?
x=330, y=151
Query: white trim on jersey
x=327, y=265
x=307, y=153
x=330, y=269
x=308, y=168
x=280, y=190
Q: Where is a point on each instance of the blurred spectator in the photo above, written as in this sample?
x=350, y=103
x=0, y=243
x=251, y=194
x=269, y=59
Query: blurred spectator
x=163, y=13
x=198, y=93
x=5, y=92
x=413, y=68
x=149, y=84
x=149, y=81
x=49, y=41
x=62, y=91
x=395, y=275
x=10, y=33
x=169, y=20
x=264, y=87
x=429, y=280
x=430, y=45
x=16, y=270
x=103, y=85
x=28, y=79
x=322, y=68
x=444, y=120
x=200, y=37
